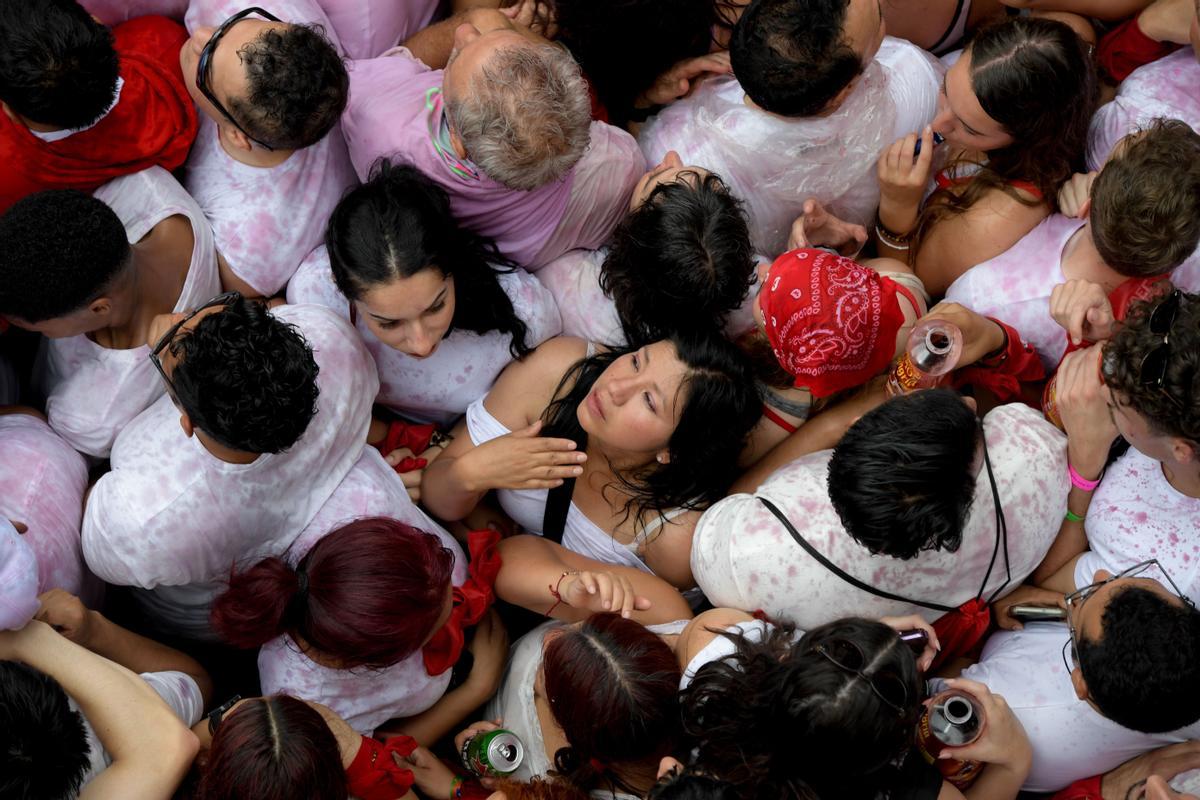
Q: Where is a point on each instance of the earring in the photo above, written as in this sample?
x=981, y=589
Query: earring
x=659, y=458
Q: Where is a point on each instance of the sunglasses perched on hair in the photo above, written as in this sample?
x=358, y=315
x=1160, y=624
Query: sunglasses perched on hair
x=225, y=300
x=849, y=657
x=1077, y=598
x=204, y=67
x=1153, y=369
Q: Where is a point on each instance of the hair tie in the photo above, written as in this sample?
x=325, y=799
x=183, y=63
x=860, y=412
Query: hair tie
x=597, y=765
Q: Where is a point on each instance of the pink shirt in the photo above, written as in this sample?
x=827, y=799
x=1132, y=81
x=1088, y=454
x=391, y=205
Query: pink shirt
x=364, y=698
x=392, y=113
x=42, y=482
x=367, y=28
x=743, y=557
x=173, y=518
x=465, y=364
x=1015, y=286
x=96, y=391
x=266, y=219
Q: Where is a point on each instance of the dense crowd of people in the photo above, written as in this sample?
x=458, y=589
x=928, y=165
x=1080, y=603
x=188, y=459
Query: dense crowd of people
x=704, y=394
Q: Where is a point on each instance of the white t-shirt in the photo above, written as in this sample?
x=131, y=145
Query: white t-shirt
x=465, y=364
x=1070, y=739
x=173, y=518
x=722, y=647
x=365, y=698
x=743, y=557
x=93, y=391
x=775, y=163
x=266, y=219
x=18, y=579
x=178, y=690
x=1137, y=515
x=42, y=481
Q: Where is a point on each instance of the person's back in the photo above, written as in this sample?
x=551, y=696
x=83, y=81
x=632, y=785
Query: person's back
x=744, y=557
x=803, y=120
x=83, y=104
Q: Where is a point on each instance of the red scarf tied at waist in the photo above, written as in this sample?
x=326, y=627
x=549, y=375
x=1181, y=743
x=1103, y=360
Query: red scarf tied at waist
x=471, y=602
x=374, y=773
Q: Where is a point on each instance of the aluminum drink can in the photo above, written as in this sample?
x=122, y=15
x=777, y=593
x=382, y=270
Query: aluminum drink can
x=952, y=719
x=493, y=754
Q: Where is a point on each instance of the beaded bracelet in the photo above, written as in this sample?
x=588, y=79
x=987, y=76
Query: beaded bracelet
x=886, y=238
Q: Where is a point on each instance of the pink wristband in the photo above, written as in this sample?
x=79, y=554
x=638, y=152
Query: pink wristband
x=1080, y=482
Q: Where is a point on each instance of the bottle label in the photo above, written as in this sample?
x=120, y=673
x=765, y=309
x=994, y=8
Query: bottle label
x=906, y=375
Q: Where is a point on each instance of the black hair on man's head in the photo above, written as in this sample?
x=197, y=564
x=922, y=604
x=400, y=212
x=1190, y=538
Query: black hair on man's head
x=43, y=744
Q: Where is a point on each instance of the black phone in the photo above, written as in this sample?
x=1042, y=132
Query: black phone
x=1035, y=613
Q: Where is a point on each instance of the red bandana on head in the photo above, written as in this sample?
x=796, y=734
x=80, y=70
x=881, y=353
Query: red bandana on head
x=831, y=322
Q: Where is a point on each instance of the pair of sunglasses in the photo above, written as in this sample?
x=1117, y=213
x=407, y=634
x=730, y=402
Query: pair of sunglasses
x=225, y=300
x=204, y=67
x=849, y=657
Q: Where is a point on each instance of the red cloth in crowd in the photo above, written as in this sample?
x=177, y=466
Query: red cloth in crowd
x=962, y=632
x=375, y=775
x=471, y=602
x=1003, y=375
x=1122, y=297
x=153, y=123
x=1125, y=48
x=1086, y=789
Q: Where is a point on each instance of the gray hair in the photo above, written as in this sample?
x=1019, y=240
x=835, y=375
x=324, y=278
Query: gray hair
x=525, y=121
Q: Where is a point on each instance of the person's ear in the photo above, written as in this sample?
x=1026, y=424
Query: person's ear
x=235, y=138
x=456, y=142
x=100, y=307
x=663, y=456
x=1085, y=208
x=666, y=765
x=1183, y=450
x=185, y=422
x=971, y=404
x=1079, y=684
x=839, y=98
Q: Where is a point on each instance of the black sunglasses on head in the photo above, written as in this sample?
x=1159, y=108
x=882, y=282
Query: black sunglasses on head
x=204, y=66
x=225, y=299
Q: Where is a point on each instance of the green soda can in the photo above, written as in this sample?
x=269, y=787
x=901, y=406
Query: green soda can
x=493, y=754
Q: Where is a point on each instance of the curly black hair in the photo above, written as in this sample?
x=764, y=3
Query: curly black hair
x=791, y=56
x=59, y=250
x=901, y=478
x=246, y=378
x=681, y=260
x=399, y=223
x=1144, y=670
x=58, y=66
x=298, y=87
x=738, y=710
x=1170, y=408
x=43, y=739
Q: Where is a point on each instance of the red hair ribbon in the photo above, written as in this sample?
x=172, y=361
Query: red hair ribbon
x=471, y=602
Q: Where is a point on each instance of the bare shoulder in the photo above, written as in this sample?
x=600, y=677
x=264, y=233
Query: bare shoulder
x=527, y=385
x=701, y=631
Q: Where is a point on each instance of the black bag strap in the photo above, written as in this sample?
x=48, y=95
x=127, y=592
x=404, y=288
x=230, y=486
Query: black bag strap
x=841, y=573
x=558, y=504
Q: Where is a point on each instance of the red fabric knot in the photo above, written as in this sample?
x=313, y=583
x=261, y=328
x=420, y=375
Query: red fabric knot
x=961, y=632
x=407, y=434
x=471, y=602
x=832, y=323
x=375, y=774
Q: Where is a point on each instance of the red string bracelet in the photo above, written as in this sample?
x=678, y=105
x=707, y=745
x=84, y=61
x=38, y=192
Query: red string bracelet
x=554, y=591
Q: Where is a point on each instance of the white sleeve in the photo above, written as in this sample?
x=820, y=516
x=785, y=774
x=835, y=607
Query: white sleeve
x=1086, y=568
x=180, y=692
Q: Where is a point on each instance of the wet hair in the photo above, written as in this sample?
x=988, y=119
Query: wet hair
x=739, y=709
x=297, y=87
x=1144, y=670
x=792, y=56
x=246, y=378
x=59, y=251
x=1035, y=77
x=273, y=748
x=692, y=783
x=1145, y=215
x=58, y=66
x=45, y=746
x=653, y=36
x=612, y=687
x=1171, y=409
x=398, y=224
x=369, y=594
x=539, y=789
x=720, y=408
x=681, y=260
x=526, y=120
x=901, y=478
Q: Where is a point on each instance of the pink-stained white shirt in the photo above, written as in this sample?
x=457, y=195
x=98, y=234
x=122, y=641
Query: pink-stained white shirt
x=114, y=12
x=590, y=314
x=95, y=391
x=465, y=364
x=172, y=518
x=1071, y=740
x=394, y=112
x=1015, y=286
x=42, y=482
x=368, y=28
x=18, y=578
x=1137, y=515
x=743, y=557
x=1163, y=88
x=774, y=163
x=365, y=698
x=266, y=219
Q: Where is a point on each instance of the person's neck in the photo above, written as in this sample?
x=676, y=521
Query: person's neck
x=1081, y=260
x=40, y=127
x=1184, y=478
x=223, y=453
x=256, y=156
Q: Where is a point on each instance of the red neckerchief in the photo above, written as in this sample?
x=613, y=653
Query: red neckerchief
x=374, y=773
x=471, y=602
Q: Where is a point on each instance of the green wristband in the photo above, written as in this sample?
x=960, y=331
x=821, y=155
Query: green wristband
x=1071, y=515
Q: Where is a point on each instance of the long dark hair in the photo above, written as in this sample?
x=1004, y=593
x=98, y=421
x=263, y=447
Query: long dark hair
x=613, y=688
x=1034, y=76
x=399, y=223
x=738, y=710
x=720, y=408
x=681, y=260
